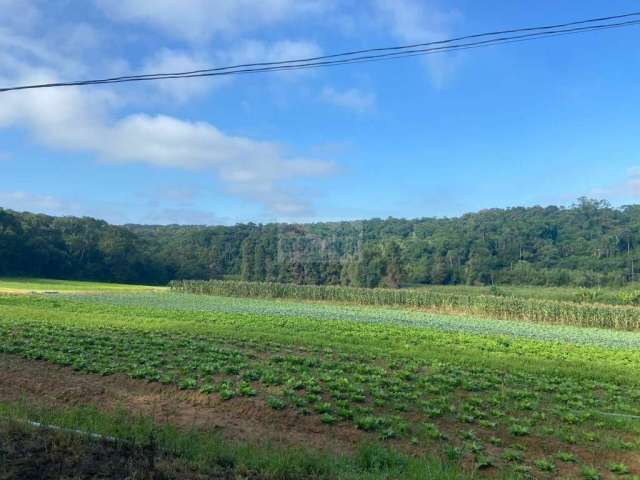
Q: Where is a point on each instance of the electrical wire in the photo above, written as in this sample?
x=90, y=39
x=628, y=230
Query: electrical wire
x=351, y=58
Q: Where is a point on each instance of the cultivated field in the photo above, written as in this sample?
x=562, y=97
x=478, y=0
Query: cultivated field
x=540, y=310
x=629, y=295
x=312, y=382
x=38, y=285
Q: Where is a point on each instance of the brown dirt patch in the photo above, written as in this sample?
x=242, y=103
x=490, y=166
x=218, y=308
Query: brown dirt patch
x=44, y=384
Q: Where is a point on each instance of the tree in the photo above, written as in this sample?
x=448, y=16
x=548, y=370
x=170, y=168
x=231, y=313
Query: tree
x=11, y=244
x=590, y=243
x=393, y=266
x=369, y=267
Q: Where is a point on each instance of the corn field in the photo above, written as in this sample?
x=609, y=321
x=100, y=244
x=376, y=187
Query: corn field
x=534, y=310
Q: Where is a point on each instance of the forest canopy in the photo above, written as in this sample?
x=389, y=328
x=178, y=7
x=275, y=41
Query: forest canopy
x=587, y=244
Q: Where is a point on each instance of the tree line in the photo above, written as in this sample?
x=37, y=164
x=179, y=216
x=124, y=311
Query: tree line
x=587, y=244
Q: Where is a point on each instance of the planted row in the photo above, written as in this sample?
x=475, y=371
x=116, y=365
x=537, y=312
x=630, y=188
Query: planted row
x=327, y=312
x=534, y=310
x=394, y=385
x=483, y=414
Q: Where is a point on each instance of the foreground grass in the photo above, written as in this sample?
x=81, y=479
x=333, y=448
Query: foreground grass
x=491, y=400
x=146, y=450
x=39, y=285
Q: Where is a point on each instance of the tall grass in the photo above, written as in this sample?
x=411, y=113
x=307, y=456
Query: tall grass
x=534, y=310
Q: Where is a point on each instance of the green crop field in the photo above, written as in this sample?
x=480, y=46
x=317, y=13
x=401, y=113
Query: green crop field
x=628, y=295
x=420, y=394
x=38, y=285
x=539, y=310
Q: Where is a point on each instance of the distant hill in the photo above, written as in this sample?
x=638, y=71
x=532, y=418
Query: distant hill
x=587, y=244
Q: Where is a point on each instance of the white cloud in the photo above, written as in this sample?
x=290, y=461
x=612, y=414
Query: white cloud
x=254, y=51
x=76, y=119
x=633, y=182
x=352, y=98
x=18, y=53
x=199, y=20
x=185, y=216
x=412, y=21
x=245, y=52
x=250, y=51
x=87, y=119
x=173, y=61
x=182, y=195
x=114, y=212
x=21, y=14
x=77, y=39
x=24, y=201
x=627, y=188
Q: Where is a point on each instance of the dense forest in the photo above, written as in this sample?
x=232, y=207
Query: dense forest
x=587, y=244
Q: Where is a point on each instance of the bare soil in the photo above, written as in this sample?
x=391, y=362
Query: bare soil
x=43, y=384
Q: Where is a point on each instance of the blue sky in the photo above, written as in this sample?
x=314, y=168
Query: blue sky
x=541, y=122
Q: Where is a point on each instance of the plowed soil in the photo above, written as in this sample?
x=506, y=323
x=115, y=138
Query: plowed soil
x=44, y=384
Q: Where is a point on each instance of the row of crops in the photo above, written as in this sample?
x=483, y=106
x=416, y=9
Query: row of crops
x=327, y=313
x=517, y=420
x=529, y=309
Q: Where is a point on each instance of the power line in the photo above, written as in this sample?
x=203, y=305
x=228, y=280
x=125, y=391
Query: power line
x=379, y=49
x=293, y=64
x=357, y=56
x=371, y=58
